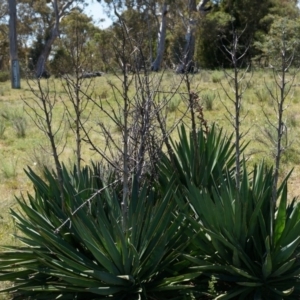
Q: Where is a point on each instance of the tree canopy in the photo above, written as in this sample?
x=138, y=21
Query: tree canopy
x=173, y=29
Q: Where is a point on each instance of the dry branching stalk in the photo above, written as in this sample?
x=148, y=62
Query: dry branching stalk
x=278, y=132
x=237, y=58
x=139, y=112
x=41, y=113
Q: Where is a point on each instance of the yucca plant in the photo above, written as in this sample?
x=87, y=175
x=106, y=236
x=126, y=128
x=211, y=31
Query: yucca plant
x=92, y=256
x=235, y=242
x=203, y=158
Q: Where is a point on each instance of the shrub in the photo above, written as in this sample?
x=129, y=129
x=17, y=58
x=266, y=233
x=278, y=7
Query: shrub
x=205, y=76
x=217, y=77
x=202, y=159
x=262, y=95
x=249, y=250
x=192, y=230
x=173, y=104
x=245, y=248
x=2, y=128
x=17, y=119
x=292, y=120
x=20, y=125
x=9, y=168
x=4, y=76
x=94, y=255
x=208, y=100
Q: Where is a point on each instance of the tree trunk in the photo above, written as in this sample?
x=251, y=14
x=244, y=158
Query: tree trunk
x=59, y=13
x=161, y=39
x=13, y=48
x=201, y=6
x=40, y=66
x=187, y=64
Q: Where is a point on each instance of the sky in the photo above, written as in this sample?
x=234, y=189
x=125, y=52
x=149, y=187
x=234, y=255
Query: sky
x=95, y=10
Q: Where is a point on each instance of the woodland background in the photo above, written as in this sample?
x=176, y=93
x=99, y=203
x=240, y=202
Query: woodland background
x=164, y=31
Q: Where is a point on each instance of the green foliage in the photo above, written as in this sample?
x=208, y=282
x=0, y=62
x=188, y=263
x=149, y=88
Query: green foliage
x=9, y=168
x=217, y=76
x=20, y=125
x=201, y=159
x=140, y=39
x=16, y=118
x=191, y=234
x=173, y=103
x=35, y=51
x=247, y=13
x=208, y=100
x=61, y=63
x=4, y=76
x=208, y=47
x=262, y=95
x=245, y=249
x=103, y=58
x=284, y=34
x=76, y=52
x=174, y=46
x=2, y=128
x=255, y=19
x=93, y=256
x=237, y=244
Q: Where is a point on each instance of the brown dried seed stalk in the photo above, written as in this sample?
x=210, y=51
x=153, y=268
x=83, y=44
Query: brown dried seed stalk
x=199, y=109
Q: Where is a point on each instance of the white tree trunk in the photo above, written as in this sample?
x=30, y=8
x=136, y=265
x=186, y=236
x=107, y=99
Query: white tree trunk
x=161, y=39
x=187, y=64
x=201, y=6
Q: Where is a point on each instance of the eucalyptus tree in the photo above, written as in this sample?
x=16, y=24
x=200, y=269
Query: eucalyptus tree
x=161, y=38
x=154, y=21
x=34, y=19
x=59, y=10
x=25, y=30
x=208, y=23
x=140, y=18
x=161, y=13
x=190, y=21
x=4, y=57
x=3, y=8
x=77, y=32
x=253, y=17
x=43, y=17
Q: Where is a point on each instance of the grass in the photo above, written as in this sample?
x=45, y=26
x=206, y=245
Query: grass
x=19, y=153
x=2, y=128
x=217, y=76
x=211, y=92
x=174, y=103
x=8, y=168
x=208, y=99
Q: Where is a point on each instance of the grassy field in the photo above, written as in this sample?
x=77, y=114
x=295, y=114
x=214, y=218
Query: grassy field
x=22, y=145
